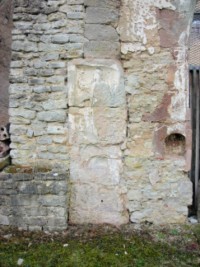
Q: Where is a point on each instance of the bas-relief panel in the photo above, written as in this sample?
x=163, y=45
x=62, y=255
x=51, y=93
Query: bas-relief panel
x=96, y=84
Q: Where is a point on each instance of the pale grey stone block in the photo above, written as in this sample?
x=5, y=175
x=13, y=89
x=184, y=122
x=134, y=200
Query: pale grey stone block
x=60, y=38
x=30, y=47
x=44, y=140
x=52, y=201
x=56, y=16
x=102, y=49
x=48, y=48
x=101, y=15
x=71, y=8
x=4, y=220
x=23, y=113
x=96, y=32
x=57, y=116
x=36, y=81
x=57, y=64
x=102, y=3
x=77, y=38
x=56, y=129
x=76, y=15
x=75, y=2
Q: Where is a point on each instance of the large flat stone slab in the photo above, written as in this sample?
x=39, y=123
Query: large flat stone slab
x=96, y=83
x=96, y=164
x=97, y=125
x=92, y=203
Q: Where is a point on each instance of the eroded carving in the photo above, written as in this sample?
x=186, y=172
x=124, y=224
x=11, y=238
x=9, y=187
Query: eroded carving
x=96, y=84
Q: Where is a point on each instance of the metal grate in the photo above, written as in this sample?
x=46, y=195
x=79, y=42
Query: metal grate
x=197, y=9
x=195, y=108
x=194, y=44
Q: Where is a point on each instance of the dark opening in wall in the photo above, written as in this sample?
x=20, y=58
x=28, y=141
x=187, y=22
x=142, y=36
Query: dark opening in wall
x=175, y=144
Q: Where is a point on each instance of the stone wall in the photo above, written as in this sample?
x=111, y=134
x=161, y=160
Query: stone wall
x=34, y=201
x=101, y=88
x=154, y=55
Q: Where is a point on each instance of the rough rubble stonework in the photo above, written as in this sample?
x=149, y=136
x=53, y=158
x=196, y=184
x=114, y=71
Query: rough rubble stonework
x=100, y=88
x=34, y=201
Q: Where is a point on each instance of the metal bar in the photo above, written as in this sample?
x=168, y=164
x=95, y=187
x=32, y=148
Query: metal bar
x=193, y=119
x=196, y=77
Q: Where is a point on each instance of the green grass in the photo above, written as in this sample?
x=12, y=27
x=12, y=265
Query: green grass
x=114, y=248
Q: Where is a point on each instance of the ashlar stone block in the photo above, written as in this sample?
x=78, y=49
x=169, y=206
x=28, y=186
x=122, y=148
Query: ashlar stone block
x=94, y=204
x=97, y=125
x=96, y=164
x=97, y=83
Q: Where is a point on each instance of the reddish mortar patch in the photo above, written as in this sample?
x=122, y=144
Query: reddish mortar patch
x=161, y=112
x=159, y=142
x=171, y=26
x=171, y=75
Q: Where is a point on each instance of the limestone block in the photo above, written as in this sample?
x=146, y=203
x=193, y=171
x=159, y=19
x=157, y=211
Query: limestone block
x=22, y=113
x=51, y=116
x=56, y=16
x=93, y=164
x=101, y=15
x=76, y=15
x=96, y=83
x=101, y=49
x=4, y=220
x=97, y=32
x=77, y=38
x=23, y=25
x=92, y=204
x=75, y=2
x=56, y=129
x=71, y=8
x=97, y=125
x=75, y=26
x=60, y=38
x=74, y=50
x=52, y=104
x=140, y=140
x=60, y=139
x=48, y=48
x=52, y=200
x=102, y=3
x=44, y=140
x=30, y=47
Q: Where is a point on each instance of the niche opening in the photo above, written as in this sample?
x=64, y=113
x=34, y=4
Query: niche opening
x=175, y=145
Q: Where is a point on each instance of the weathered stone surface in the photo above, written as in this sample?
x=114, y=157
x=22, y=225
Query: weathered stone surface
x=35, y=199
x=96, y=32
x=101, y=15
x=4, y=220
x=92, y=164
x=90, y=83
x=52, y=116
x=60, y=38
x=118, y=119
x=97, y=125
x=94, y=204
x=103, y=3
x=102, y=49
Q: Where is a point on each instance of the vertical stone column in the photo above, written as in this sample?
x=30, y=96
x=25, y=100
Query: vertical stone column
x=97, y=128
